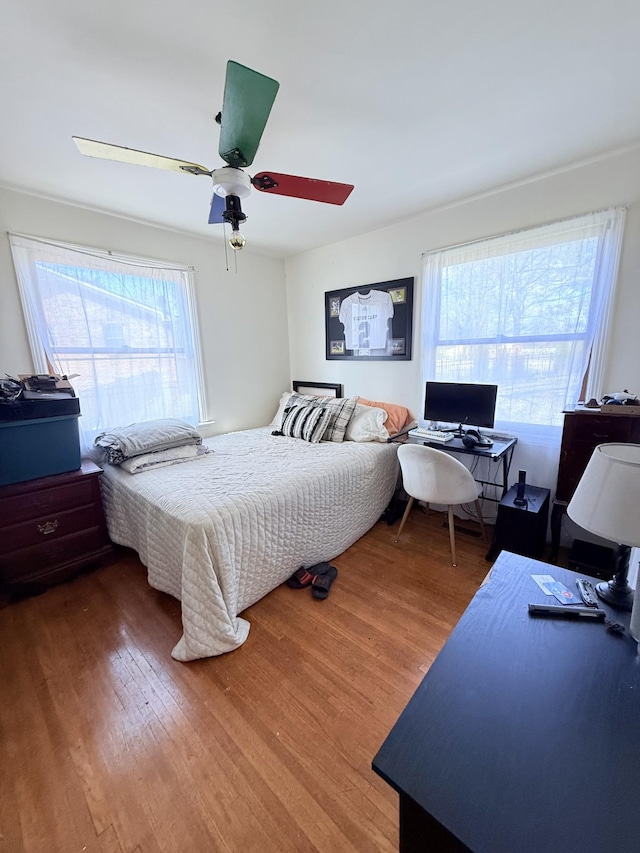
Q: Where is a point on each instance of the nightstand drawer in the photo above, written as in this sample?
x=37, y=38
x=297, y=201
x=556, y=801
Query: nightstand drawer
x=45, y=502
x=49, y=527
x=35, y=563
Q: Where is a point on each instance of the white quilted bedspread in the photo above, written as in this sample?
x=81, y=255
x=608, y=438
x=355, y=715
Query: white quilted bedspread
x=221, y=531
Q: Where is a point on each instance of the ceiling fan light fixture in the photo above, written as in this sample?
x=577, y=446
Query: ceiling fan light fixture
x=231, y=181
x=237, y=240
x=234, y=215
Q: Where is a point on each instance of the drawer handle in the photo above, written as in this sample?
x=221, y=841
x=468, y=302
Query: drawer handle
x=48, y=527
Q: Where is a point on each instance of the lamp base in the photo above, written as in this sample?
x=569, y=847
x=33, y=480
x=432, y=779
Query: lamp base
x=617, y=591
x=620, y=599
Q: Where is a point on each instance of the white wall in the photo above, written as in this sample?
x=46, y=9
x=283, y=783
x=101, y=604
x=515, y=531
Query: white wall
x=395, y=252
x=242, y=318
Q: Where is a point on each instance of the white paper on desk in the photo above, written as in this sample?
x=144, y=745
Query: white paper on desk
x=541, y=580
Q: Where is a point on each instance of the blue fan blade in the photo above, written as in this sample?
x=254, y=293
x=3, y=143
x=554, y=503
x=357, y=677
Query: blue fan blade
x=218, y=205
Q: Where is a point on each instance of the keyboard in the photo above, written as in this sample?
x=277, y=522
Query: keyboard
x=431, y=434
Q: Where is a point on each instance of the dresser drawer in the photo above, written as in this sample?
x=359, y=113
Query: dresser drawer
x=44, y=502
x=594, y=430
x=48, y=527
x=47, y=559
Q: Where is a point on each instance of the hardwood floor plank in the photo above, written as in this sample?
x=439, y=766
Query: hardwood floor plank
x=108, y=841
x=112, y=746
x=130, y=736
x=334, y=782
x=39, y=783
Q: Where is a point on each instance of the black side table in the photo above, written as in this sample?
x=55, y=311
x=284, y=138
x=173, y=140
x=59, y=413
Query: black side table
x=521, y=529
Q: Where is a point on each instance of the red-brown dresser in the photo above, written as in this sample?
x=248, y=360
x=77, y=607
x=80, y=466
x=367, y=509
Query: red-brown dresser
x=51, y=528
x=584, y=430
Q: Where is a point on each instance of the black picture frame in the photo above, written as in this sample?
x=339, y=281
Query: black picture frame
x=322, y=389
x=391, y=322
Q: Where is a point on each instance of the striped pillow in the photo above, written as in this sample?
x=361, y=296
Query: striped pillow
x=306, y=422
x=341, y=409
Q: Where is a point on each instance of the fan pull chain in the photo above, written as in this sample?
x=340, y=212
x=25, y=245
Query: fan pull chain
x=224, y=234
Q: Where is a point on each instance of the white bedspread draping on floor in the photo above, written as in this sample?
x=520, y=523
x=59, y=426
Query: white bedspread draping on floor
x=220, y=532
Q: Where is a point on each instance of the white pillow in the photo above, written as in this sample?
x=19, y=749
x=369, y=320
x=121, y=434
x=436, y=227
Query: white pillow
x=367, y=424
x=277, y=420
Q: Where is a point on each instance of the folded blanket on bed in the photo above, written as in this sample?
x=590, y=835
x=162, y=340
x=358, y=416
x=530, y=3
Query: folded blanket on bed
x=146, y=437
x=161, y=458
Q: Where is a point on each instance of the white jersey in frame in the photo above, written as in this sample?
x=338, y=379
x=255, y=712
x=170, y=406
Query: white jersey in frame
x=365, y=317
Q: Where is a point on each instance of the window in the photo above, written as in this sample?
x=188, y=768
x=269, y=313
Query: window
x=124, y=328
x=528, y=312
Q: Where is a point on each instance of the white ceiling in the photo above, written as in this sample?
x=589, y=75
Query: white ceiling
x=417, y=102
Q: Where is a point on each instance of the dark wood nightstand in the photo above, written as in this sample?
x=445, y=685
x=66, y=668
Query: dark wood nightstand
x=51, y=528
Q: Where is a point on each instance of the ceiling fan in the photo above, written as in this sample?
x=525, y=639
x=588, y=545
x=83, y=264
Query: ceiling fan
x=248, y=98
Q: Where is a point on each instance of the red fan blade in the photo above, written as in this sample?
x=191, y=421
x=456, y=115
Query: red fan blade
x=309, y=188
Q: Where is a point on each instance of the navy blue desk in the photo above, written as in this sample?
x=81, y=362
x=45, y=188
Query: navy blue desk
x=524, y=736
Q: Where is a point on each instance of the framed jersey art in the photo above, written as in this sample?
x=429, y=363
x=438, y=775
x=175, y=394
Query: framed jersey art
x=373, y=321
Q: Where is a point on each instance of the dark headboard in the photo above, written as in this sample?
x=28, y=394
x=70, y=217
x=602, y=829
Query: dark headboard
x=325, y=389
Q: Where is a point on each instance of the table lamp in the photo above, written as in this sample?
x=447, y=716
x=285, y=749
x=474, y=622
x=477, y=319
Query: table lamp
x=607, y=502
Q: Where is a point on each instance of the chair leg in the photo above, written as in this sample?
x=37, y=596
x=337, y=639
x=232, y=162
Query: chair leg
x=481, y=520
x=405, y=516
x=452, y=535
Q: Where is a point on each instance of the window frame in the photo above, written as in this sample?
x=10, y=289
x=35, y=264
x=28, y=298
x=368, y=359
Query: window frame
x=42, y=353
x=607, y=226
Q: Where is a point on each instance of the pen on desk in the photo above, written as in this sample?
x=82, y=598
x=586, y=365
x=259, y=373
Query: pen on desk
x=567, y=610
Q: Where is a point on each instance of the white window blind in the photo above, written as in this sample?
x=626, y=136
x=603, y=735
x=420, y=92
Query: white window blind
x=125, y=326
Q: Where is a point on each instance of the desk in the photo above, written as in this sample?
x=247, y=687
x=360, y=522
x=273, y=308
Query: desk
x=500, y=451
x=524, y=736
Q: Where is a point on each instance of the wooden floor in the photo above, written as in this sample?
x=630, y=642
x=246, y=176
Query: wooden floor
x=108, y=744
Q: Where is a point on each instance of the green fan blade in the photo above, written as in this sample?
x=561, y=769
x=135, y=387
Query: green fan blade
x=248, y=98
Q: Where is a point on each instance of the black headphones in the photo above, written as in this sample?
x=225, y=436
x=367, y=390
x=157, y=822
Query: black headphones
x=471, y=438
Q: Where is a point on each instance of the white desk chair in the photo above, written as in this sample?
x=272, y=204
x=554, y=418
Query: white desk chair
x=435, y=477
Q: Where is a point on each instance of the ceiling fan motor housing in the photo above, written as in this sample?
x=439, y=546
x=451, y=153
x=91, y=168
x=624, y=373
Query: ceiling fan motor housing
x=231, y=181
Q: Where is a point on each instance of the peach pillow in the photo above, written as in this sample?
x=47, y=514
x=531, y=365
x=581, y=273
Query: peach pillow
x=397, y=416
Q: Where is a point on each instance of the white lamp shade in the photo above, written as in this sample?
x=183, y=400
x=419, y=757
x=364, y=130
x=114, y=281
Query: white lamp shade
x=607, y=499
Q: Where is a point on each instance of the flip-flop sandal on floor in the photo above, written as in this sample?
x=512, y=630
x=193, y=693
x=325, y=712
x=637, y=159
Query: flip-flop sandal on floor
x=305, y=577
x=322, y=583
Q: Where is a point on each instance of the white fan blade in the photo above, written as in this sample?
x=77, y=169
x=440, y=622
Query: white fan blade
x=106, y=151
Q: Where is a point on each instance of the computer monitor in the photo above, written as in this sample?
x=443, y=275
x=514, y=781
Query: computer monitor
x=463, y=403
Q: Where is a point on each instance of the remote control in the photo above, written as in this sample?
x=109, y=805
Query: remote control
x=587, y=592
x=567, y=612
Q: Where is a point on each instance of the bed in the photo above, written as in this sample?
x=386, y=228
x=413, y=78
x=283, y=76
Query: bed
x=221, y=531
